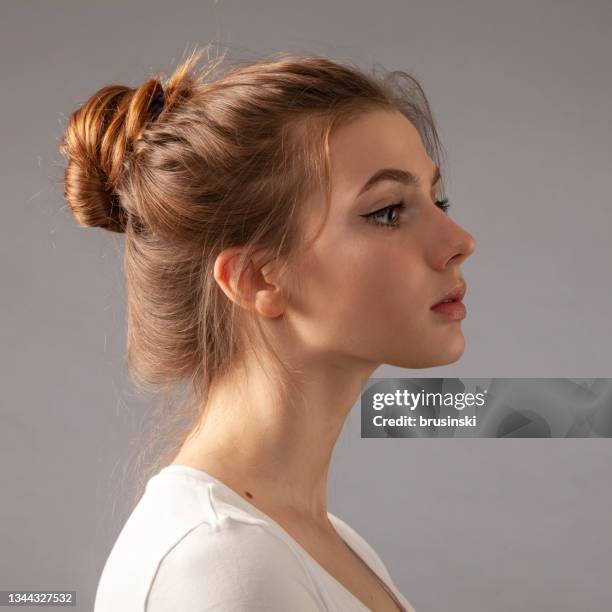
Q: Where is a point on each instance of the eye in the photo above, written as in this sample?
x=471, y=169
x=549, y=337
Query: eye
x=388, y=214
x=443, y=205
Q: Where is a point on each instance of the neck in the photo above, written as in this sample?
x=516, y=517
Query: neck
x=273, y=435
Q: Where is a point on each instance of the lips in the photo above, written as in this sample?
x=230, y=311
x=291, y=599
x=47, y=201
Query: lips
x=454, y=295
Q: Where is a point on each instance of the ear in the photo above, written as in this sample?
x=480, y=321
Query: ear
x=256, y=288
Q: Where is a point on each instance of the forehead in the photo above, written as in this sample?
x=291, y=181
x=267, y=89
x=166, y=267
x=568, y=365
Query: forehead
x=378, y=139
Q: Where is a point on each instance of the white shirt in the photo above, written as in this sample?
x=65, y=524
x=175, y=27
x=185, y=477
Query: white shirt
x=194, y=544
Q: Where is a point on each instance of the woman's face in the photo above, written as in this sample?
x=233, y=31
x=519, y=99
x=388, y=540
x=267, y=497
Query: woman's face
x=366, y=285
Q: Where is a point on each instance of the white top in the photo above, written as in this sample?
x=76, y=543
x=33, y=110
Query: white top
x=194, y=544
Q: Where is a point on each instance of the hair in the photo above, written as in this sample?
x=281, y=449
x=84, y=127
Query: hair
x=229, y=161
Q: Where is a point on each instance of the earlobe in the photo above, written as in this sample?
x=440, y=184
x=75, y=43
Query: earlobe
x=269, y=303
x=269, y=298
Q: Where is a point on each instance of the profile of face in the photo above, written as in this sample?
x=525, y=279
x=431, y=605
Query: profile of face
x=367, y=283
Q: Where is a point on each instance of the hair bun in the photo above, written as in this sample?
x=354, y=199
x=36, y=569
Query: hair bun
x=98, y=137
x=93, y=202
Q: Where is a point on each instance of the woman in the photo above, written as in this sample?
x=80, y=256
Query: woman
x=284, y=236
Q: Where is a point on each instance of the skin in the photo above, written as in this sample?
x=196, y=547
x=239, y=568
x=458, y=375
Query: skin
x=359, y=297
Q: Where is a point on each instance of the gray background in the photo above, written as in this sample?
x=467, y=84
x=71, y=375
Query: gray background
x=521, y=92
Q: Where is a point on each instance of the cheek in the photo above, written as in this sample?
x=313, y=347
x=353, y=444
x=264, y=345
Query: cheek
x=361, y=291
x=389, y=290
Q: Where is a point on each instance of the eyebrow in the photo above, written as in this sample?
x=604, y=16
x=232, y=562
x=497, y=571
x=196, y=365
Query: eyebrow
x=399, y=176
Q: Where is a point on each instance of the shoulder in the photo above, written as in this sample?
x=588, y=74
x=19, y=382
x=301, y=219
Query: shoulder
x=231, y=566
x=184, y=545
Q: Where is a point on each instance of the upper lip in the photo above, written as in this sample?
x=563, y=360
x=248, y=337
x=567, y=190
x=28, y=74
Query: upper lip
x=456, y=293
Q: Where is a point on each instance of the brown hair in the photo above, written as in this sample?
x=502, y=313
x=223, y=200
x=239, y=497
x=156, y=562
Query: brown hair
x=229, y=161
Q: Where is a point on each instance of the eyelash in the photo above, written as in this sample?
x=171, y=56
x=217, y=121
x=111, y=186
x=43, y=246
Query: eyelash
x=399, y=206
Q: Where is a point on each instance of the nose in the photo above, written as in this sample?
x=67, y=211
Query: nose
x=458, y=246
x=467, y=244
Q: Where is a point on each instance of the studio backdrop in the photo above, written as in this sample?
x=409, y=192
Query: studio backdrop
x=490, y=522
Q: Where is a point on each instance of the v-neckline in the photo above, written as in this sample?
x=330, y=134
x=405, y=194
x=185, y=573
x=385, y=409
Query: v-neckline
x=203, y=475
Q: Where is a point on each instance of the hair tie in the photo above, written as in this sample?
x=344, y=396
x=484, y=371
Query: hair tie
x=157, y=105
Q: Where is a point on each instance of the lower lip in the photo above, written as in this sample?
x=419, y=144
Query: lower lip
x=453, y=310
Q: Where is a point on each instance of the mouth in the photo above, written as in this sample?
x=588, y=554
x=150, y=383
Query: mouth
x=451, y=306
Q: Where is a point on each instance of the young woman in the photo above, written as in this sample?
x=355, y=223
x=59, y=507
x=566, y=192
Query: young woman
x=284, y=236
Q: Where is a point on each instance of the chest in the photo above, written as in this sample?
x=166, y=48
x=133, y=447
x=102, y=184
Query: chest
x=332, y=554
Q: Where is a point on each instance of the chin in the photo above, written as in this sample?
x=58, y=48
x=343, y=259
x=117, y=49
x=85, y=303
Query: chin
x=439, y=356
x=452, y=352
